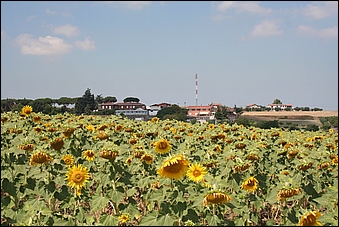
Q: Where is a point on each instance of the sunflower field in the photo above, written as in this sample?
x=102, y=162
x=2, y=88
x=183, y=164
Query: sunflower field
x=92, y=170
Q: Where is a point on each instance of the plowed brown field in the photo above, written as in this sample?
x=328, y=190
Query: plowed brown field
x=296, y=117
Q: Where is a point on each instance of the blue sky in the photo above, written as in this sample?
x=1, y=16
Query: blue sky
x=243, y=52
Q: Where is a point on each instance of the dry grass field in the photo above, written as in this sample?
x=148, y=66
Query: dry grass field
x=296, y=117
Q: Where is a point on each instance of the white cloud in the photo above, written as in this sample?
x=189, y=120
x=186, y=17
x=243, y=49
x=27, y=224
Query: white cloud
x=48, y=45
x=50, y=12
x=252, y=7
x=135, y=5
x=87, y=44
x=321, y=10
x=265, y=28
x=323, y=33
x=4, y=35
x=67, y=30
x=55, y=13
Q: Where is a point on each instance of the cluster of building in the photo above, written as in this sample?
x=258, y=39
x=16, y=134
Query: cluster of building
x=139, y=111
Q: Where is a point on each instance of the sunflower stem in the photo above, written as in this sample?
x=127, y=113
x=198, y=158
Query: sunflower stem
x=171, y=184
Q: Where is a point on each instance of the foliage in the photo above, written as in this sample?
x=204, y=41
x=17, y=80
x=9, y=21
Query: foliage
x=242, y=120
x=267, y=124
x=86, y=104
x=276, y=101
x=312, y=127
x=125, y=190
x=173, y=112
x=131, y=99
x=221, y=113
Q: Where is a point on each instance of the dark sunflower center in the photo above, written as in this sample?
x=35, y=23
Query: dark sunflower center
x=162, y=145
x=78, y=176
x=174, y=168
x=196, y=173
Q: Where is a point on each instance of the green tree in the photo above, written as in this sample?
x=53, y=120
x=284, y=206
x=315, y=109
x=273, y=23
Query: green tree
x=85, y=104
x=7, y=105
x=267, y=124
x=243, y=121
x=110, y=99
x=221, y=113
x=277, y=101
x=66, y=101
x=312, y=127
x=131, y=99
x=173, y=112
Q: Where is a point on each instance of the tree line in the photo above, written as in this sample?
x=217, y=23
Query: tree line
x=79, y=105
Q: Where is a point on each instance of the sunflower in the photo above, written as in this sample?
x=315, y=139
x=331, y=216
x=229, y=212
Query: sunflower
x=119, y=127
x=107, y=154
x=196, y=172
x=173, y=130
x=133, y=141
x=335, y=160
x=26, y=110
x=68, y=159
x=37, y=118
x=283, y=194
x=58, y=143
x=77, y=176
x=26, y=147
x=155, y=119
x=102, y=127
x=102, y=136
x=250, y=184
x=216, y=197
x=89, y=155
x=124, y=218
x=90, y=128
x=162, y=146
x=40, y=158
x=217, y=148
x=68, y=132
x=37, y=129
x=147, y=158
x=174, y=168
x=310, y=219
x=128, y=161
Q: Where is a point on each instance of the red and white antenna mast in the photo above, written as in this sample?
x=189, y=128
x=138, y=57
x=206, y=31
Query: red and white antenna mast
x=196, y=89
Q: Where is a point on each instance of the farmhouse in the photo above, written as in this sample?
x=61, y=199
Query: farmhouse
x=279, y=106
x=203, y=113
x=121, y=106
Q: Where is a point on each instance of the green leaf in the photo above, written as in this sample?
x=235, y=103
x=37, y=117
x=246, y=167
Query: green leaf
x=63, y=194
x=156, y=195
x=5, y=200
x=212, y=220
x=166, y=220
x=9, y=187
x=150, y=219
x=131, y=192
x=117, y=196
x=60, y=222
x=191, y=215
x=270, y=222
x=81, y=214
x=179, y=208
x=98, y=203
x=144, y=182
x=132, y=210
x=111, y=220
x=272, y=196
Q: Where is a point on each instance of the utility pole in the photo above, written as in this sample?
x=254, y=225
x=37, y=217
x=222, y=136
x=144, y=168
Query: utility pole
x=196, y=89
